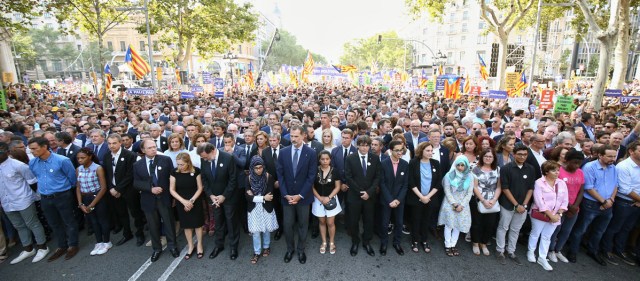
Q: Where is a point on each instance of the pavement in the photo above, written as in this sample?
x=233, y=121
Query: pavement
x=128, y=262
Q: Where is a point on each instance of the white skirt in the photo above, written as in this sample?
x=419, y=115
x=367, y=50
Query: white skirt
x=259, y=220
x=318, y=210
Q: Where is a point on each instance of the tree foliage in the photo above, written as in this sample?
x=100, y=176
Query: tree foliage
x=27, y=9
x=367, y=52
x=209, y=26
x=287, y=51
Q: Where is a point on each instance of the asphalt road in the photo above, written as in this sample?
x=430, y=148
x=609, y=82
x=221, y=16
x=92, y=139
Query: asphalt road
x=128, y=261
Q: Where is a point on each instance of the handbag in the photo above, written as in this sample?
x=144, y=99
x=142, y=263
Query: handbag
x=541, y=216
x=483, y=210
x=332, y=204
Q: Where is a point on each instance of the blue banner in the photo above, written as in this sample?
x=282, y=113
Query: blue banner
x=614, y=93
x=187, y=95
x=206, y=78
x=440, y=83
x=632, y=99
x=496, y=94
x=484, y=94
x=197, y=89
x=218, y=85
x=140, y=91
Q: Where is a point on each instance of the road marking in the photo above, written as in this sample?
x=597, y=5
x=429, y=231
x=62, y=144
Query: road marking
x=174, y=264
x=142, y=268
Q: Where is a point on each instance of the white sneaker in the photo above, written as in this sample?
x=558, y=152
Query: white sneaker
x=531, y=257
x=561, y=257
x=104, y=249
x=42, y=253
x=552, y=257
x=95, y=249
x=545, y=264
x=23, y=256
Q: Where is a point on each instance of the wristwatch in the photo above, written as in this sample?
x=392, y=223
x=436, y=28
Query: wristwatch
x=525, y=206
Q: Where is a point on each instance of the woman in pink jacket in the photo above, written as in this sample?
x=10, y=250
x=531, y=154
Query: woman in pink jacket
x=550, y=200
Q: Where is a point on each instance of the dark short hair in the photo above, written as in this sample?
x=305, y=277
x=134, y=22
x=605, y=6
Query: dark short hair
x=324, y=152
x=573, y=154
x=548, y=166
x=393, y=143
x=520, y=146
x=64, y=137
x=41, y=141
x=364, y=140
x=206, y=147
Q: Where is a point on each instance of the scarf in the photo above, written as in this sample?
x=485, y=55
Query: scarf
x=258, y=182
x=460, y=180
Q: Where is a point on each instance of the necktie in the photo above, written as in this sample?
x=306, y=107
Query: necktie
x=158, y=143
x=364, y=166
x=152, y=173
x=213, y=168
x=113, y=162
x=275, y=156
x=345, y=155
x=219, y=143
x=295, y=161
x=95, y=149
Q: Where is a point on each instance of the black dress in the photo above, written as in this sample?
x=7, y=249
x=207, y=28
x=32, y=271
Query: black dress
x=186, y=187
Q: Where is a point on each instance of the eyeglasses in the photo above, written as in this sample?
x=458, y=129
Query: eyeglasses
x=398, y=150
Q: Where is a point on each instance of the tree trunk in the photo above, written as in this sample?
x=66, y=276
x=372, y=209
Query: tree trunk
x=184, y=60
x=603, y=71
x=502, y=59
x=99, y=34
x=621, y=56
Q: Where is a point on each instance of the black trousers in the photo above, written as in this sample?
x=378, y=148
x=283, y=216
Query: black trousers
x=277, y=204
x=365, y=209
x=129, y=204
x=483, y=226
x=168, y=222
x=421, y=220
x=98, y=218
x=398, y=216
x=225, y=221
x=292, y=214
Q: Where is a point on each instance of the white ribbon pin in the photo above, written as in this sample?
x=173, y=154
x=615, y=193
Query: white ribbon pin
x=50, y=170
x=192, y=174
x=70, y=152
x=121, y=159
x=434, y=170
x=329, y=180
x=159, y=168
x=402, y=173
x=368, y=163
x=566, y=179
x=221, y=165
x=524, y=177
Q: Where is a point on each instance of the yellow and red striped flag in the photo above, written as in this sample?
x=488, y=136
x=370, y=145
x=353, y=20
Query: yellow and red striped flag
x=467, y=85
x=107, y=74
x=452, y=88
x=139, y=66
x=483, y=69
x=307, y=68
x=522, y=84
x=178, y=77
x=345, y=68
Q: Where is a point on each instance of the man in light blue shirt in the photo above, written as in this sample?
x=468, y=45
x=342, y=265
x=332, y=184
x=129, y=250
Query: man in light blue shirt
x=56, y=177
x=626, y=209
x=600, y=186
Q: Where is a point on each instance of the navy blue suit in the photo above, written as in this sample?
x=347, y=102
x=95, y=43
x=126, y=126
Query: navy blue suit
x=71, y=154
x=337, y=160
x=409, y=137
x=393, y=187
x=103, y=150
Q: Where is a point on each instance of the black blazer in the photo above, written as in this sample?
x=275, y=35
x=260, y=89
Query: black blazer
x=531, y=160
x=71, y=154
x=392, y=186
x=414, y=179
x=253, y=152
x=269, y=162
x=317, y=146
x=357, y=181
x=224, y=181
x=142, y=181
x=124, y=166
x=621, y=153
x=268, y=205
x=164, y=145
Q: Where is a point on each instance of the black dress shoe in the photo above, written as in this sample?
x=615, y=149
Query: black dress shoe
x=302, y=258
x=124, y=240
x=174, y=252
x=116, y=230
x=383, y=250
x=288, y=256
x=155, y=256
x=215, y=252
x=234, y=254
x=398, y=249
x=140, y=240
x=277, y=235
x=369, y=249
x=597, y=258
x=354, y=249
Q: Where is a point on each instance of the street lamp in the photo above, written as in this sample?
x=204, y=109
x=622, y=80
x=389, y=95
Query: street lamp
x=230, y=56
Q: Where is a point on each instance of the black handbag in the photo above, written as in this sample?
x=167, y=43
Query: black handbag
x=332, y=204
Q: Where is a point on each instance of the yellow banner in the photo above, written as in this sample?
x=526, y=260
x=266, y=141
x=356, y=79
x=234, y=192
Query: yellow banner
x=7, y=77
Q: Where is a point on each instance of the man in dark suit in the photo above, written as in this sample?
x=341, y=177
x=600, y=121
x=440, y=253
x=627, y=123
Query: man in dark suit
x=362, y=172
x=240, y=158
x=616, y=142
x=413, y=137
x=118, y=165
x=67, y=148
x=218, y=135
x=587, y=124
x=338, y=159
x=219, y=182
x=270, y=156
x=393, y=189
x=98, y=145
x=151, y=177
x=297, y=168
x=310, y=140
x=156, y=134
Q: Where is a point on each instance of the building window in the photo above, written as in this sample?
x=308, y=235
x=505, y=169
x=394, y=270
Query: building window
x=47, y=15
x=481, y=25
x=142, y=46
x=519, y=40
x=482, y=39
x=110, y=46
x=49, y=25
x=57, y=66
x=79, y=47
x=461, y=56
x=465, y=15
x=450, y=44
x=449, y=58
x=123, y=46
x=462, y=39
x=452, y=17
x=464, y=27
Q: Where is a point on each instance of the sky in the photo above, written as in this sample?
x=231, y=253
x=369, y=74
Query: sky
x=324, y=26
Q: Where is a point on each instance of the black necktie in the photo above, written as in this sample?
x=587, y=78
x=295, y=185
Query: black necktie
x=152, y=173
x=345, y=155
x=95, y=149
x=213, y=168
x=364, y=166
x=275, y=156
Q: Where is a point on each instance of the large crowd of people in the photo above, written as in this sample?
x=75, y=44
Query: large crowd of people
x=286, y=161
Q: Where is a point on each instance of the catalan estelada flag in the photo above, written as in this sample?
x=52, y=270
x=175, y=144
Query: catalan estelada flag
x=178, y=77
x=345, y=68
x=107, y=74
x=307, y=69
x=452, y=87
x=522, y=84
x=250, y=76
x=440, y=70
x=483, y=69
x=139, y=66
x=467, y=85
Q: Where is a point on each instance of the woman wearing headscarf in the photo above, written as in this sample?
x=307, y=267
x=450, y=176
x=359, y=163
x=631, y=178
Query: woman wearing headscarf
x=261, y=216
x=455, y=214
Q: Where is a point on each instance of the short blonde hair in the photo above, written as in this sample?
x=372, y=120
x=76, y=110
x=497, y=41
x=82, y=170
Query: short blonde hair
x=183, y=156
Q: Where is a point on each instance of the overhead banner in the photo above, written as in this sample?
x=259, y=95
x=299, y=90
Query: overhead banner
x=475, y=90
x=496, y=94
x=140, y=91
x=197, y=89
x=546, y=99
x=207, y=78
x=218, y=85
x=614, y=93
x=187, y=95
x=632, y=99
x=519, y=103
x=564, y=104
x=511, y=80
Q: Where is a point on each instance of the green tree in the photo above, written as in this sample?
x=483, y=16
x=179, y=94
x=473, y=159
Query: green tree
x=287, y=51
x=208, y=26
x=391, y=52
x=23, y=44
x=27, y=9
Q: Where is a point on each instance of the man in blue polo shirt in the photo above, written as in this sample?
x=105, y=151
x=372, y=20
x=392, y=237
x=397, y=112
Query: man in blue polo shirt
x=600, y=186
x=56, y=176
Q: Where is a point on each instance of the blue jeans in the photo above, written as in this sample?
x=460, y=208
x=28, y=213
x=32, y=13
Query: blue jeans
x=261, y=240
x=561, y=235
x=58, y=209
x=625, y=216
x=591, y=214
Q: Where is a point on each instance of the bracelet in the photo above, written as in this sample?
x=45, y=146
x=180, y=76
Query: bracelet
x=80, y=205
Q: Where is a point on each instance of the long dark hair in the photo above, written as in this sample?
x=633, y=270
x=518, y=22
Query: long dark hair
x=89, y=152
x=494, y=164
